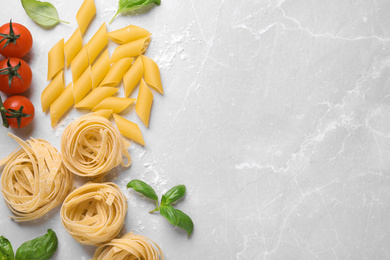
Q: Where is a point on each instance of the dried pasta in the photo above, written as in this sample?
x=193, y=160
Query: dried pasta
x=100, y=68
x=83, y=85
x=115, y=74
x=104, y=112
x=97, y=43
x=52, y=91
x=56, y=59
x=117, y=104
x=152, y=74
x=85, y=14
x=144, y=103
x=95, y=97
x=34, y=179
x=129, y=129
x=61, y=105
x=128, y=34
x=94, y=213
x=130, y=246
x=133, y=76
x=131, y=49
x=79, y=64
x=72, y=46
x=91, y=146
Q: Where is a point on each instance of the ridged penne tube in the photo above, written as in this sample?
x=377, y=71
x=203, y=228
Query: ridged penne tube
x=72, y=46
x=100, y=68
x=116, y=72
x=131, y=49
x=56, y=59
x=95, y=97
x=97, y=43
x=85, y=14
x=52, y=91
x=94, y=213
x=91, y=146
x=144, y=103
x=152, y=74
x=133, y=76
x=83, y=85
x=129, y=129
x=104, y=112
x=61, y=104
x=128, y=34
x=117, y=104
x=130, y=246
x=34, y=180
x=79, y=64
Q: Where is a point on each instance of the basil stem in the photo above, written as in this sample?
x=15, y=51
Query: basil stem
x=43, y=13
x=173, y=195
x=6, y=251
x=131, y=5
x=40, y=248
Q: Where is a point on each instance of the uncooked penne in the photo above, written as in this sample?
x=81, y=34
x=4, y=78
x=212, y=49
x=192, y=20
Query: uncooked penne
x=133, y=76
x=97, y=43
x=152, y=74
x=129, y=129
x=104, y=112
x=128, y=34
x=85, y=14
x=100, y=68
x=72, y=46
x=52, y=91
x=131, y=49
x=95, y=97
x=117, y=104
x=115, y=74
x=61, y=105
x=56, y=59
x=144, y=103
x=83, y=85
x=79, y=64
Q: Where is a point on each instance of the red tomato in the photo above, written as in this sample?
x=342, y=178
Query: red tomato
x=14, y=71
x=14, y=103
x=18, y=40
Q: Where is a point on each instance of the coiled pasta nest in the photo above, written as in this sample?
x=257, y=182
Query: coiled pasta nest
x=130, y=246
x=94, y=213
x=34, y=179
x=91, y=146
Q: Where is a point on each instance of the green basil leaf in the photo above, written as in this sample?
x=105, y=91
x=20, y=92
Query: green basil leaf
x=173, y=195
x=40, y=248
x=6, y=251
x=131, y=5
x=185, y=222
x=169, y=213
x=143, y=188
x=43, y=13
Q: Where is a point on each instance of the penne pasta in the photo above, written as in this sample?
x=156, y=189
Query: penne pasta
x=97, y=43
x=152, y=74
x=129, y=129
x=131, y=49
x=56, y=59
x=100, y=68
x=144, y=103
x=79, y=64
x=52, y=91
x=61, y=105
x=133, y=76
x=72, y=46
x=95, y=97
x=85, y=14
x=104, y=112
x=83, y=85
x=128, y=34
x=117, y=104
x=115, y=74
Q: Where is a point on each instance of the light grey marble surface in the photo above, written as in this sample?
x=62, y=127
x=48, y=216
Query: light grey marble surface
x=276, y=116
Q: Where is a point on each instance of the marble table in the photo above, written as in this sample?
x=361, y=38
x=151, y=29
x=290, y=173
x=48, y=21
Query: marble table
x=276, y=117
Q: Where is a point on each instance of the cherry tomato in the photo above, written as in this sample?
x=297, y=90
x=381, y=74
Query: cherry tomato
x=13, y=104
x=16, y=40
x=18, y=75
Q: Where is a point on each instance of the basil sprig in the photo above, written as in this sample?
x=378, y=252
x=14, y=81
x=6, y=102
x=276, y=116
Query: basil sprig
x=43, y=13
x=131, y=5
x=174, y=216
x=40, y=248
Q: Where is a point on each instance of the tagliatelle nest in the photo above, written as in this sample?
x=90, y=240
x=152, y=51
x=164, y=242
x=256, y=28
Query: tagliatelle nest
x=94, y=213
x=91, y=146
x=130, y=246
x=34, y=179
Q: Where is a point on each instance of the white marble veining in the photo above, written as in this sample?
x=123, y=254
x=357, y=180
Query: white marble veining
x=276, y=116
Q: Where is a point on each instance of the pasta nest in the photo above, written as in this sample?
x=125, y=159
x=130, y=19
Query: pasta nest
x=91, y=146
x=94, y=213
x=130, y=246
x=34, y=179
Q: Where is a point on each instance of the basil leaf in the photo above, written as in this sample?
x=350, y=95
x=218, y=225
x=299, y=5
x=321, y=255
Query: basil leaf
x=185, y=222
x=131, y=5
x=143, y=188
x=6, y=251
x=173, y=195
x=43, y=13
x=169, y=213
x=40, y=248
